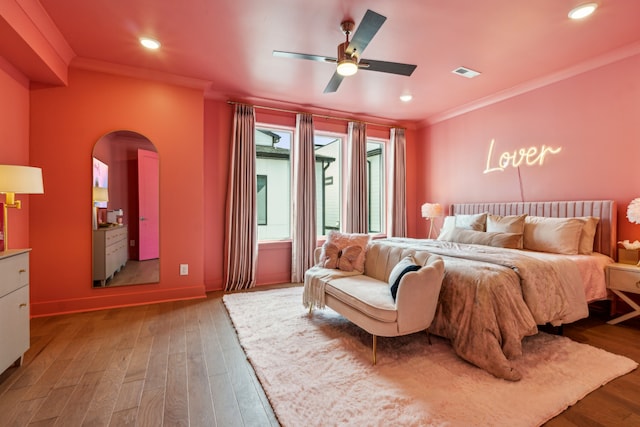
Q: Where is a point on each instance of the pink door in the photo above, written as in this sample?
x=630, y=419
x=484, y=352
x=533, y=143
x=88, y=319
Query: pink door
x=148, y=205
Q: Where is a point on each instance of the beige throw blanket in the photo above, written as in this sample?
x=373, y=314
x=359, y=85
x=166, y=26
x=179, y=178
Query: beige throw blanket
x=491, y=298
x=315, y=280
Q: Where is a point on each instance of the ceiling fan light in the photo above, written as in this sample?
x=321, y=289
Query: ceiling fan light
x=347, y=67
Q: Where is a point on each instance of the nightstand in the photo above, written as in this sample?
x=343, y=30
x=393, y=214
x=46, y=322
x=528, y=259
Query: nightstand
x=623, y=278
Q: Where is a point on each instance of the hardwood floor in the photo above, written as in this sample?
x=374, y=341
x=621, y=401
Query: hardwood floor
x=173, y=364
x=180, y=363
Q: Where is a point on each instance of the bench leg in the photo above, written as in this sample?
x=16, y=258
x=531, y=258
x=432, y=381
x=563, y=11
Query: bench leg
x=310, y=309
x=375, y=344
x=428, y=336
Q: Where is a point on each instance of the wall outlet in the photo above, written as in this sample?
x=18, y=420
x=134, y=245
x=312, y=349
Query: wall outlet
x=184, y=269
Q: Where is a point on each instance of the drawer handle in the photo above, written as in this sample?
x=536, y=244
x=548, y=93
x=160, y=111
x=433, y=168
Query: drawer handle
x=22, y=270
x=23, y=305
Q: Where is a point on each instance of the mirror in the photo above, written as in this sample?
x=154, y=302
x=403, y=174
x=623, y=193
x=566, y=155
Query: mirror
x=126, y=226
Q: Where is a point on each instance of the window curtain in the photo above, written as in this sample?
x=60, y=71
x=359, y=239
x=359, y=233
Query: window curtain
x=304, y=198
x=241, y=244
x=356, y=219
x=398, y=214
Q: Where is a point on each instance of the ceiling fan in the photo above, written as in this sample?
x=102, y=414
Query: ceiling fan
x=349, y=60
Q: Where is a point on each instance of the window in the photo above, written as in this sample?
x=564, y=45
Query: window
x=328, y=182
x=273, y=173
x=273, y=180
x=376, y=185
x=261, y=199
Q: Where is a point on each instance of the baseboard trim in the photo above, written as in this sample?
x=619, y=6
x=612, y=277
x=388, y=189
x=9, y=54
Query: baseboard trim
x=103, y=302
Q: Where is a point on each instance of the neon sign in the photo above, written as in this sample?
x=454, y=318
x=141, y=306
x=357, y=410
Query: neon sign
x=530, y=156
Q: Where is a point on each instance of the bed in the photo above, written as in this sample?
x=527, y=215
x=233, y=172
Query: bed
x=494, y=295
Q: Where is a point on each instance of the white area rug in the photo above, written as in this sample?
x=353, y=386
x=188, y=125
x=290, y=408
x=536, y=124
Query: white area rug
x=317, y=371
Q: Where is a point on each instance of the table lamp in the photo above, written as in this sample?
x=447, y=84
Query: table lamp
x=431, y=211
x=100, y=194
x=14, y=180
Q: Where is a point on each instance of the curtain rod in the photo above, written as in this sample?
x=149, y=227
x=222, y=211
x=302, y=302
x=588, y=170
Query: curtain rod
x=321, y=116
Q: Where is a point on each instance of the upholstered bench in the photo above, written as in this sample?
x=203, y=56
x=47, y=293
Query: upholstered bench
x=367, y=299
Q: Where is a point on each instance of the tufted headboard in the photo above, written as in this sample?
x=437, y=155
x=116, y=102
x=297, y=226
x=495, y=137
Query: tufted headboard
x=605, y=239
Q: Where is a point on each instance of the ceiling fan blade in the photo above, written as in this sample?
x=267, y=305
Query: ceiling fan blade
x=294, y=55
x=334, y=83
x=371, y=23
x=387, y=67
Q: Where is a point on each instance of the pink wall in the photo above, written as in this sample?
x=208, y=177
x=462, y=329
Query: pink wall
x=594, y=117
x=66, y=122
x=14, y=144
x=215, y=159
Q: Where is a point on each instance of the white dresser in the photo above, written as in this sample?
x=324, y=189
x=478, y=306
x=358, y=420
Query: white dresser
x=14, y=306
x=110, y=252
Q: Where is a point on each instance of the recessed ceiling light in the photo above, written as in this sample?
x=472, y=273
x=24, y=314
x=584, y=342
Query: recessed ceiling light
x=406, y=98
x=583, y=10
x=149, y=43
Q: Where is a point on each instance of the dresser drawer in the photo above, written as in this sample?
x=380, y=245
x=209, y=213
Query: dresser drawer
x=116, y=235
x=624, y=280
x=14, y=273
x=14, y=306
x=14, y=326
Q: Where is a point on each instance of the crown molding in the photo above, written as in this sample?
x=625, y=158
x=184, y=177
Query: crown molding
x=139, y=73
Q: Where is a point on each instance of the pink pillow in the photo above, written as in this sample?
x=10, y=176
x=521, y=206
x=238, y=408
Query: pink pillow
x=341, y=241
x=348, y=257
x=331, y=255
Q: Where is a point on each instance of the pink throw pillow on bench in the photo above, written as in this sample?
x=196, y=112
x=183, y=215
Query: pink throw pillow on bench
x=344, y=251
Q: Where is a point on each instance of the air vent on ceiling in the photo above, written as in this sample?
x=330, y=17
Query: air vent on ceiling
x=466, y=72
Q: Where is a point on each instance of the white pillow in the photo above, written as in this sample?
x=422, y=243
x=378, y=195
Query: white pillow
x=557, y=235
x=447, y=227
x=472, y=222
x=466, y=222
x=404, y=266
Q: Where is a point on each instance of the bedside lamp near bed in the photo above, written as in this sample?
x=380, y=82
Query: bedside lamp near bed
x=430, y=211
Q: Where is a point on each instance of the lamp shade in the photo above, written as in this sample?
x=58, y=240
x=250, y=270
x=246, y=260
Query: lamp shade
x=21, y=179
x=633, y=211
x=431, y=210
x=100, y=194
